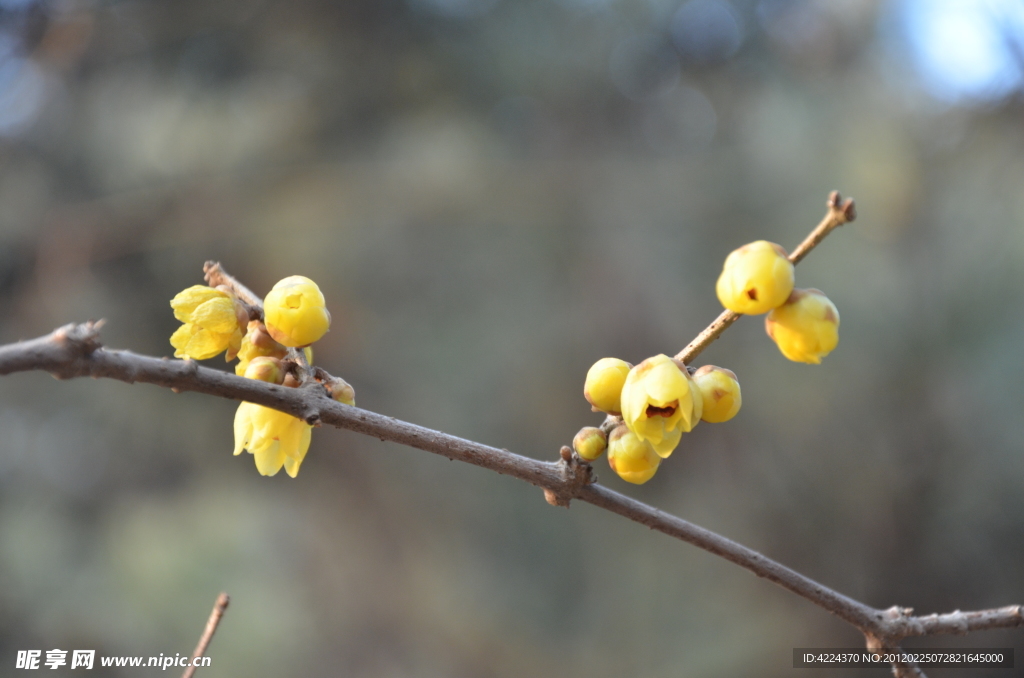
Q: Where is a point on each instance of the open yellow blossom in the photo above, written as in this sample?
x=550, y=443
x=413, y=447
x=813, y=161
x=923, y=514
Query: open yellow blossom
x=632, y=458
x=660, y=402
x=603, y=386
x=275, y=439
x=806, y=327
x=211, y=323
x=755, y=279
x=295, y=312
x=721, y=393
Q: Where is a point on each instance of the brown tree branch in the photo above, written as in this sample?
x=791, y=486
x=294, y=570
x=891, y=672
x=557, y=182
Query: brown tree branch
x=211, y=627
x=75, y=351
x=839, y=212
x=903, y=624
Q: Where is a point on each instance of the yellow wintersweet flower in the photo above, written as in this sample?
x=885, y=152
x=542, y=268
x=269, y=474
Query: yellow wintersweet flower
x=720, y=391
x=275, y=439
x=211, y=323
x=603, y=385
x=755, y=279
x=632, y=458
x=806, y=327
x=295, y=312
x=660, y=402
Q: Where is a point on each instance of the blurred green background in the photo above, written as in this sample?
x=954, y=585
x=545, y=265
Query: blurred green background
x=492, y=195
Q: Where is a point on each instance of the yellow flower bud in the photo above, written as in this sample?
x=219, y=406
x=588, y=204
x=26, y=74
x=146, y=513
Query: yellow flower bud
x=275, y=439
x=265, y=369
x=257, y=342
x=660, y=402
x=756, y=278
x=295, y=313
x=806, y=327
x=211, y=323
x=632, y=458
x=604, y=384
x=341, y=390
x=720, y=392
x=590, y=443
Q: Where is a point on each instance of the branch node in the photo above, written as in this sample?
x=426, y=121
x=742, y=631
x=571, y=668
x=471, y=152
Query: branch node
x=82, y=339
x=575, y=475
x=609, y=424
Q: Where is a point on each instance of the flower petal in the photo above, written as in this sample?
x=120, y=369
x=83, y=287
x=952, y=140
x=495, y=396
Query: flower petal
x=180, y=338
x=270, y=460
x=291, y=464
x=185, y=302
x=243, y=427
x=217, y=315
x=204, y=344
x=668, y=443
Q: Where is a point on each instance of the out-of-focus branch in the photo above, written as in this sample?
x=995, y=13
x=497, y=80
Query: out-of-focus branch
x=211, y=627
x=839, y=212
x=75, y=351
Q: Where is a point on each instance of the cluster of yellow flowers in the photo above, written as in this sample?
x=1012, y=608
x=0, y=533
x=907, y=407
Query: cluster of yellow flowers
x=660, y=399
x=758, y=278
x=294, y=316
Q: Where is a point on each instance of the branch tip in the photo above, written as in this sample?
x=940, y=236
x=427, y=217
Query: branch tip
x=849, y=210
x=212, y=623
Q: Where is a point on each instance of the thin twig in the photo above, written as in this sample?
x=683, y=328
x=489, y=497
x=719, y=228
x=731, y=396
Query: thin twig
x=839, y=212
x=75, y=351
x=211, y=628
x=215, y=275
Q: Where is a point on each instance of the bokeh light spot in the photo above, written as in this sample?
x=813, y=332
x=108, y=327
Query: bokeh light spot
x=965, y=49
x=22, y=93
